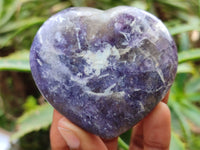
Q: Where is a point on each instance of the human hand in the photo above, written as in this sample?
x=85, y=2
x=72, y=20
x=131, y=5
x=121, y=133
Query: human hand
x=152, y=133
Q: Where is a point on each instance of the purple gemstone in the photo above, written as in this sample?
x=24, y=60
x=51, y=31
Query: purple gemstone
x=103, y=70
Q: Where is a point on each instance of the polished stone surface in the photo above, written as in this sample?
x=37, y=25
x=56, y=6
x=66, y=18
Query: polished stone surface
x=103, y=70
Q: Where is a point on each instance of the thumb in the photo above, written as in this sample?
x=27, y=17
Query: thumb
x=78, y=139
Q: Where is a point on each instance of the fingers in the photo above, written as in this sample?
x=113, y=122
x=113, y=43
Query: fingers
x=111, y=144
x=77, y=138
x=137, y=137
x=67, y=136
x=57, y=141
x=153, y=132
x=156, y=128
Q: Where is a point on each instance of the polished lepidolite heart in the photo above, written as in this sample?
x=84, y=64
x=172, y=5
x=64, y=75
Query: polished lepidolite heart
x=103, y=70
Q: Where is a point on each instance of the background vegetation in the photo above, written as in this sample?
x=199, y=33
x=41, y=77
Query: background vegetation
x=25, y=114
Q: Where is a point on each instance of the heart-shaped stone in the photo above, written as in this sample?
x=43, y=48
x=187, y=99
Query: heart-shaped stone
x=103, y=70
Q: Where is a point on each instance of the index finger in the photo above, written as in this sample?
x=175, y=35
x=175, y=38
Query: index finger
x=137, y=137
x=157, y=129
x=57, y=141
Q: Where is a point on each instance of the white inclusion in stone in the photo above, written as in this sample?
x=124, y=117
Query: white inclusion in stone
x=54, y=88
x=133, y=24
x=141, y=107
x=61, y=19
x=134, y=57
x=97, y=61
x=159, y=71
x=69, y=25
x=109, y=126
x=108, y=92
x=89, y=122
x=121, y=94
x=125, y=35
x=88, y=70
x=104, y=75
x=58, y=37
x=160, y=26
x=124, y=51
x=78, y=41
x=39, y=62
x=115, y=52
x=50, y=56
x=40, y=36
x=98, y=94
x=57, y=18
x=136, y=89
x=117, y=25
x=79, y=74
x=109, y=89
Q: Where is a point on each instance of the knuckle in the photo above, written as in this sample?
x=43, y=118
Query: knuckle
x=137, y=141
x=156, y=145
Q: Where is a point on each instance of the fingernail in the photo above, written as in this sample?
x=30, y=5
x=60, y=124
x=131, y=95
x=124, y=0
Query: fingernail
x=72, y=140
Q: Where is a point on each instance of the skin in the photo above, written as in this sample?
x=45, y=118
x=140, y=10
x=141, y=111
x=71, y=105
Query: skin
x=151, y=133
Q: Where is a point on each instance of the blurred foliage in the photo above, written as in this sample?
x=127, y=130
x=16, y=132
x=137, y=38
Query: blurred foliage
x=32, y=137
x=21, y=108
x=35, y=119
x=18, y=61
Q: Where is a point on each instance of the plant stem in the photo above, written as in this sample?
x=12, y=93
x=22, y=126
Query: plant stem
x=122, y=144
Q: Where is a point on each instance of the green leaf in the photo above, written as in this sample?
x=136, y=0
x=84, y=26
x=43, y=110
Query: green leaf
x=183, y=28
x=34, y=120
x=186, y=68
x=195, y=144
x=78, y=3
x=177, y=107
x=26, y=23
x=194, y=97
x=199, y=7
x=189, y=55
x=190, y=111
x=4, y=39
x=1, y=106
x=176, y=4
x=176, y=143
x=139, y=4
x=18, y=61
x=178, y=87
x=126, y=136
x=1, y=7
x=1, y=112
x=60, y=6
x=9, y=12
x=184, y=41
x=172, y=23
x=122, y=144
x=193, y=85
x=30, y=104
x=176, y=124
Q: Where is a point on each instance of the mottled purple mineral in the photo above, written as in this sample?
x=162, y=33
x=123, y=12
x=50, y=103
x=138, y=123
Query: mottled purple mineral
x=103, y=70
